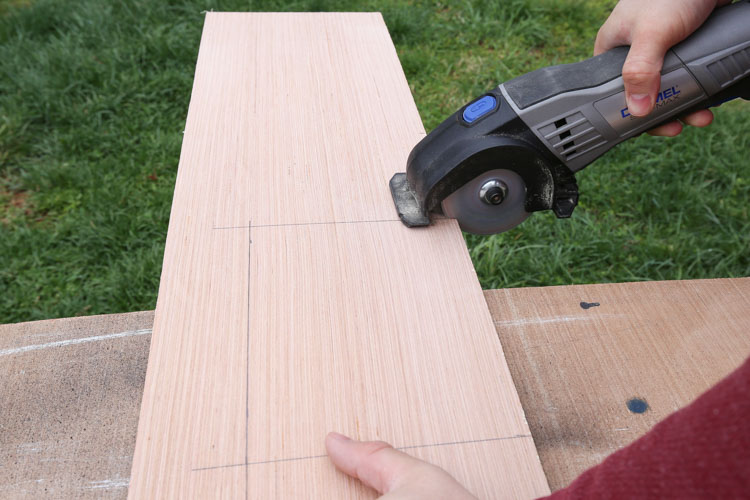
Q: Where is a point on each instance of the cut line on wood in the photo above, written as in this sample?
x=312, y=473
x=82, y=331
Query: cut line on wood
x=435, y=220
x=312, y=223
x=247, y=351
x=410, y=447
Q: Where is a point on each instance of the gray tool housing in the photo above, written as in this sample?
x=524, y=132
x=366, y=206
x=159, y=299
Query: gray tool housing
x=531, y=134
x=579, y=112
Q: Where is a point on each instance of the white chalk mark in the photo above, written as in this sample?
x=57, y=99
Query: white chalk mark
x=539, y=321
x=28, y=448
x=13, y=486
x=108, y=484
x=63, y=343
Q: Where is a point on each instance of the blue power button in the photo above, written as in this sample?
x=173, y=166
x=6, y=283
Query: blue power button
x=479, y=108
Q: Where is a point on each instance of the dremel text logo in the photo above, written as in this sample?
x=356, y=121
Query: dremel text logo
x=663, y=97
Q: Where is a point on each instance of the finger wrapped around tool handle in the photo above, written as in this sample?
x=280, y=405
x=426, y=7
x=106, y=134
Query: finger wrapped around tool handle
x=579, y=110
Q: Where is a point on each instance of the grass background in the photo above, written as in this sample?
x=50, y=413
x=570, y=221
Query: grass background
x=94, y=94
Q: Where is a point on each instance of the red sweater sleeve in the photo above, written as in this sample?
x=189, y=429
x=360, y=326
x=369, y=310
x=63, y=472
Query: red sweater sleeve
x=701, y=451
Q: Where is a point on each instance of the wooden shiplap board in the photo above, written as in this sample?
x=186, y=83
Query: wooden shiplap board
x=293, y=302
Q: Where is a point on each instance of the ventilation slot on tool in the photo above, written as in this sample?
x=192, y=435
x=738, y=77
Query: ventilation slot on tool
x=571, y=136
x=729, y=69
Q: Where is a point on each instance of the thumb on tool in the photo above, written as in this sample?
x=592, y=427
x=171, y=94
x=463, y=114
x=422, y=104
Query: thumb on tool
x=641, y=73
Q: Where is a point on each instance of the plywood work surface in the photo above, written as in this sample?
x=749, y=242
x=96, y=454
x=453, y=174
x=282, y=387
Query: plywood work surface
x=579, y=354
x=293, y=302
x=72, y=387
x=69, y=400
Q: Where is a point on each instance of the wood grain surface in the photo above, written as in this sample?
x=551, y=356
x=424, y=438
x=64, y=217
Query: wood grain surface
x=293, y=302
x=580, y=354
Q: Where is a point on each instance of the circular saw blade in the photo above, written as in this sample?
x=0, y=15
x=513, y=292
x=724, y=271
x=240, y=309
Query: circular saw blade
x=476, y=216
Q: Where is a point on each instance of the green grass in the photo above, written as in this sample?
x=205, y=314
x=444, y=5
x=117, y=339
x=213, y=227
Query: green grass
x=93, y=98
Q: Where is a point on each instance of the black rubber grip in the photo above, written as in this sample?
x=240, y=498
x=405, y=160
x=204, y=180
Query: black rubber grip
x=544, y=83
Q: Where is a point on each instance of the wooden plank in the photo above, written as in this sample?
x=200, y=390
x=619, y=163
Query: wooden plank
x=576, y=368
x=292, y=300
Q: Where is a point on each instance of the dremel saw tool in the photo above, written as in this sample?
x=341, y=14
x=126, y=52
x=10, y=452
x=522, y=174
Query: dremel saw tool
x=515, y=149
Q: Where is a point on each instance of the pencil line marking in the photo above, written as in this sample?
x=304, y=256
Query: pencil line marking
x=311, y=224
x=247, y=354
x=411, y=447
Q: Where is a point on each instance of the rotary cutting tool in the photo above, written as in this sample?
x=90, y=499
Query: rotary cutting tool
x=515, y=149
